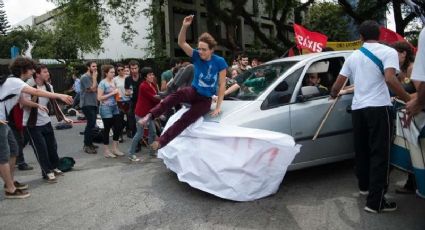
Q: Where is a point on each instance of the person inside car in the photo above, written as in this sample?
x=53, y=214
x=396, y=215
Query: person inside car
x=313, y=79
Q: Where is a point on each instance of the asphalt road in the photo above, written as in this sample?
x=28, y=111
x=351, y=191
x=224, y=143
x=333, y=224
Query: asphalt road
x=105, y=193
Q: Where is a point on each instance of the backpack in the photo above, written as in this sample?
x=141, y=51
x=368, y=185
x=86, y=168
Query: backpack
x=66, y=164
x=3, y=79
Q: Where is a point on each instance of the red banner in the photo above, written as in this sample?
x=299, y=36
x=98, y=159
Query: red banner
x=388, y=36
x=313, y=41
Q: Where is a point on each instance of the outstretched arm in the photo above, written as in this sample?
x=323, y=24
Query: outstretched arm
x=42, y=93
x=182, y=36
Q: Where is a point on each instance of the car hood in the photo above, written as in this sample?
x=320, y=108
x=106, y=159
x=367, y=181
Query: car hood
x=228, y=109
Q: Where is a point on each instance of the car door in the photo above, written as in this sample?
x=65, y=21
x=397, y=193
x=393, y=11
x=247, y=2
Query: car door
x=335, y=139
x=275, y=107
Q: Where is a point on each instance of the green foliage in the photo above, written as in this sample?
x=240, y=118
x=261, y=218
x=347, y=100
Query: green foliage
x=329, y=19
x=80, y=24
x=4, y=24
x=18, y=38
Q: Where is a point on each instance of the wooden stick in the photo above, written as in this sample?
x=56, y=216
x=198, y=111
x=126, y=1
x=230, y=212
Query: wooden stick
x=328, y=112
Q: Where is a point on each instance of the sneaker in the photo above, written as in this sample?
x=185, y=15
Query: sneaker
x=364, y=193
x=89, y=150
x=133, y=158
x=17, y=194
x=50, y=178
x=58, y=172
x=385, y=207
x=94, y=146
x=18, y=185
x=24, y=167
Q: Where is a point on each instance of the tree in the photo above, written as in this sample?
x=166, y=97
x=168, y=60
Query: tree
x=328, y=18
x=281, y=12
x=80, y=24
x=367, y=9
x=4, y=24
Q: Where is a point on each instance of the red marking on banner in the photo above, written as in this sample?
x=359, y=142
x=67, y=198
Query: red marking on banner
x=249, y=143
x=273, y=153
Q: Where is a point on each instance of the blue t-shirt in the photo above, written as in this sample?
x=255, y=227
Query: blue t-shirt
x=206, y=75
x=107, y=89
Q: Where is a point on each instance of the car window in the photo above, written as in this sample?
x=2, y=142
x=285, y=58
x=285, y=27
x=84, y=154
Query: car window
x=323, y=80
x=282, y=94
x=255, y=81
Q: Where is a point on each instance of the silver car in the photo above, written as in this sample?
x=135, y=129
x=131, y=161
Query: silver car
x=277, y=96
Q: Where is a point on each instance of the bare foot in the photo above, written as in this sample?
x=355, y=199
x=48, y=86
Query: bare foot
x=117, y=153
x=155, y=145
x=108, y=154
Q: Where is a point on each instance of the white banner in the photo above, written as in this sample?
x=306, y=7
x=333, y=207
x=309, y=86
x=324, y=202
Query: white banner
x=231, y=162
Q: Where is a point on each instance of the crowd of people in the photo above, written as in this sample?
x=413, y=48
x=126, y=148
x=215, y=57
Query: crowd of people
x=131, y=98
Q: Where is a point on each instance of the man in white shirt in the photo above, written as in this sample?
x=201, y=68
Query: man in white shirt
x=373, y=76
x=10, y=94
x=418, y=74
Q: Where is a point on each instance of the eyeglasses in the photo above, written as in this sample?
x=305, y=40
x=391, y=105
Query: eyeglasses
x=203, y=49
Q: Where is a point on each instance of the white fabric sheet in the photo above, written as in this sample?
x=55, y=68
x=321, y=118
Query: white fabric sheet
x=410, y=132
x=235, y=163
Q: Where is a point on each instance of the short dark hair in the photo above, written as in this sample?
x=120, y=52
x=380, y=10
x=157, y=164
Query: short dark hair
x=145, y=71
x=133, y=63
x=207, y=38
x=174, y=61
x=88, y=63
x=369, y=30
x=21, y=65
x=243, y=55
x=119, y=65
x=38, y=68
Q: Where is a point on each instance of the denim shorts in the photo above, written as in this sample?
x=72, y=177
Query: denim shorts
x=8, y=144
x=107, y=111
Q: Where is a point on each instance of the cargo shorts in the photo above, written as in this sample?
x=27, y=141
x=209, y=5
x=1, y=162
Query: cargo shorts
x=8, y=144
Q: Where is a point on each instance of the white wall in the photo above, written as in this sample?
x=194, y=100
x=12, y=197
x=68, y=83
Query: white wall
x=115, y=48
x=26, y=22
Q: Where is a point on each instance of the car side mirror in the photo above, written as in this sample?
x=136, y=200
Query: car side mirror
x=309, y=91
x=282, y=87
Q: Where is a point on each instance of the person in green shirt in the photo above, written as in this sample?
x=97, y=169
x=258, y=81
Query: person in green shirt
x=167, y=75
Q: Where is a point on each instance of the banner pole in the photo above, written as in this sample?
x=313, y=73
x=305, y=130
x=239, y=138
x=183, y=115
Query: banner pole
x=328, y=112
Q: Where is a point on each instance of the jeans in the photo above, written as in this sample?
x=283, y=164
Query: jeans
x=43, y=141
x=90, y=114
x=139, y=135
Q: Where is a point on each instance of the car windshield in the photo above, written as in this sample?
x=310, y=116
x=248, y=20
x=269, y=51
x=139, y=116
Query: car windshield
x=254, y=81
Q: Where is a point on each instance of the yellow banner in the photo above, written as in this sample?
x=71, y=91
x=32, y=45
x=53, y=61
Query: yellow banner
x=345, y=45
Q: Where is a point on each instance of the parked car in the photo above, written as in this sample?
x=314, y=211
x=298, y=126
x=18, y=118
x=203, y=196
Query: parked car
x=275, y=96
